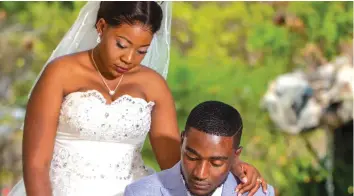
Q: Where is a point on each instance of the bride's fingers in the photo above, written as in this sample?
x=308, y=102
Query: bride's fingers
x=249, y=186
x=238, y=188
x=264, y=185
x=254, y=190
x=239, y=171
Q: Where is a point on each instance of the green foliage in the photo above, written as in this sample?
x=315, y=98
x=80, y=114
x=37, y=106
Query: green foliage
x=326, y=22
x=230, y=51
x=49, y=22
x=12, y=6
x=50, y=29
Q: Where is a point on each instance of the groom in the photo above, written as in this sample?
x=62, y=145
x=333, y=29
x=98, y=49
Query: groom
x=210, y=146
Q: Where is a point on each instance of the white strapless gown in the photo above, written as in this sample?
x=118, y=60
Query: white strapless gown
x=97, y=147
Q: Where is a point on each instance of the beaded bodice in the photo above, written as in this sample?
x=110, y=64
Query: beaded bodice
x=97, y=148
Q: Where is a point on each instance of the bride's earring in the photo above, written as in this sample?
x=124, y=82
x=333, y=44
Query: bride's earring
x=99, y=38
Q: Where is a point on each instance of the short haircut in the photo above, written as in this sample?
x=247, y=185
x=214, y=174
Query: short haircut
x=216, y=118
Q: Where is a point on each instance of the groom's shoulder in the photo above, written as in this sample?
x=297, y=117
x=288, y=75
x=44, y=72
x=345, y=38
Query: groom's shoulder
x=151, y=180
x=270, y=191
x=231, y=178
x=148, y=184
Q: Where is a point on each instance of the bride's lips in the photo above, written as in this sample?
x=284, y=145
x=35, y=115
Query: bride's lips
x=120, y=69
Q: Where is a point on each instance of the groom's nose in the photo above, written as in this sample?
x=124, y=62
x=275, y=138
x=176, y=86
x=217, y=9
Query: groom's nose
x=201, y=171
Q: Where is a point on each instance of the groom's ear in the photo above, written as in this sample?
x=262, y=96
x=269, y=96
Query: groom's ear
x=183, y=134
x=238, y=151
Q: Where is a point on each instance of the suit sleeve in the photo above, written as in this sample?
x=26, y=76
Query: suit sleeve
x=128, y=191
x=270, y=191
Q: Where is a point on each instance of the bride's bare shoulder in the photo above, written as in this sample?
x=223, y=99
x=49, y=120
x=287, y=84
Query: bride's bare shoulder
x=154, y=82
x=67, y=65
x=152, y=77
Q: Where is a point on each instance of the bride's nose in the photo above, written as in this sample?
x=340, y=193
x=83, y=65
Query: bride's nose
x=128, y=57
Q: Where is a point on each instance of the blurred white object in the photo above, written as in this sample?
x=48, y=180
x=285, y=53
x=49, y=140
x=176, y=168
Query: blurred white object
x=290, y=104
x=297, y=102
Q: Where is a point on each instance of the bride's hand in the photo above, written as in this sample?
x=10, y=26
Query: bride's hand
x=250, y=177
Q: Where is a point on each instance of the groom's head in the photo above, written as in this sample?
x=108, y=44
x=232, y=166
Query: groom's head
x=210, y=145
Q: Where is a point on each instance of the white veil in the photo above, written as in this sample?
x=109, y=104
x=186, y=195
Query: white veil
x=82, y=36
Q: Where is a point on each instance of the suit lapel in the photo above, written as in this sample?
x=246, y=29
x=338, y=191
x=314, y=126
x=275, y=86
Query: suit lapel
x=174, y=186
x=172, y=182
x=173, y=192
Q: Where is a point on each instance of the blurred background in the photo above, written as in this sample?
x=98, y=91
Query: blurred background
x=287, y=66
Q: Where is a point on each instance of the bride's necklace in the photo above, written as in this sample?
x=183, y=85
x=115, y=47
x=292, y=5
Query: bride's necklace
x=111, y=92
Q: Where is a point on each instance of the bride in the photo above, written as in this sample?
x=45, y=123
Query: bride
x=94, y=104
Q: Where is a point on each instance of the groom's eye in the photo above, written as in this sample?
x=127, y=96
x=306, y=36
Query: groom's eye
x=217, y=163
x=191, y=157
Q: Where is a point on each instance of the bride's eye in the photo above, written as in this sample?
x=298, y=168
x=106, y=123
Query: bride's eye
x=142, y=52
x=120, y=45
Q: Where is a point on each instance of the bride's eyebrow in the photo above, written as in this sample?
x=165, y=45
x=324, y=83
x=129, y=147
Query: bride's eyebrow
x=130, y=42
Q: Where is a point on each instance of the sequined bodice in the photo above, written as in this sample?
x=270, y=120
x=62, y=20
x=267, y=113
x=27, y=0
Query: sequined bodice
x=97, y=148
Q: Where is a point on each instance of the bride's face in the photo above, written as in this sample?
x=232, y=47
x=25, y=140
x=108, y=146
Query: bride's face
x=123, y=48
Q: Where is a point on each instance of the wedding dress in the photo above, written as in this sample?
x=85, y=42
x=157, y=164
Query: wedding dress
x=98, y=145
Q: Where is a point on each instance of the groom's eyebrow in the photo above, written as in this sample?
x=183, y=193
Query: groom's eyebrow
x=215, y=158
x=192, y=151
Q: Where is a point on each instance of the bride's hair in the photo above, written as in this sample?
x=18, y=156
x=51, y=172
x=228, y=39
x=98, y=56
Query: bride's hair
x=116, y=13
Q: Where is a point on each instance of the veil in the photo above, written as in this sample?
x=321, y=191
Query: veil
x=82, y=36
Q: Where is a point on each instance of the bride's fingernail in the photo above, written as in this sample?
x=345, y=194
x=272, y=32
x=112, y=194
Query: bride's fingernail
x=236, y=190
x=244, y=180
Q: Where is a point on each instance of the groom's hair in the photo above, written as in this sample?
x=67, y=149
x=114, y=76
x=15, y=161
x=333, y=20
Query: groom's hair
x=216, y=118
x=116, y=13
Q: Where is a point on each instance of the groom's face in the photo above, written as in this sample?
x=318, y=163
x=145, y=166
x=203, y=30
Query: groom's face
x=206, y=160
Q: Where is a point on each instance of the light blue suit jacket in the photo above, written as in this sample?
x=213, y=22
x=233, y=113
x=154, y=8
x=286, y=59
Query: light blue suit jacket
x=169, y=183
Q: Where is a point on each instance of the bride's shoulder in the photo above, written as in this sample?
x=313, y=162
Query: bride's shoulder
x=154, y=83
x=152, y=77
x=64, y=65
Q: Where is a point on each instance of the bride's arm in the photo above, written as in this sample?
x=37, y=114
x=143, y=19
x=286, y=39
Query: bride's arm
x=40, y=129
x=164, y=134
